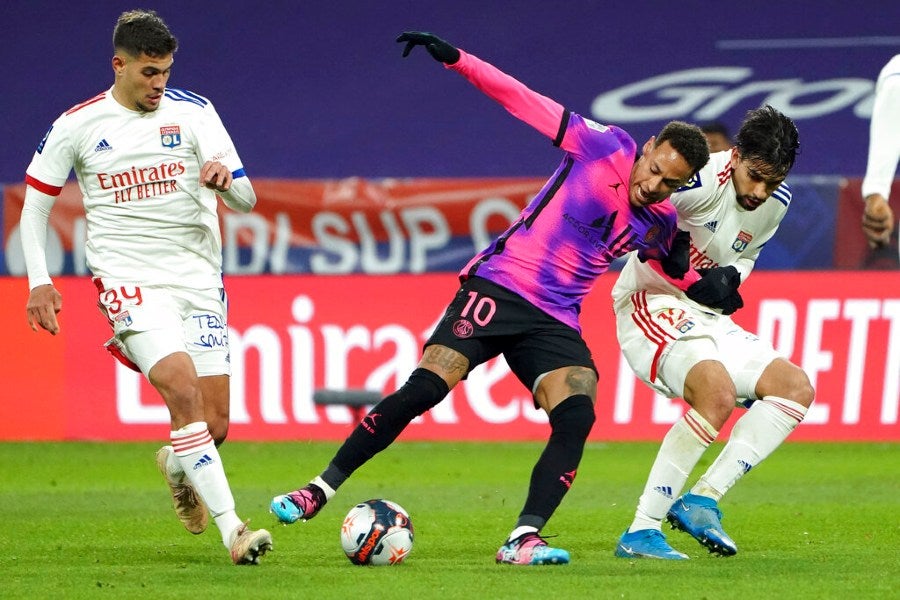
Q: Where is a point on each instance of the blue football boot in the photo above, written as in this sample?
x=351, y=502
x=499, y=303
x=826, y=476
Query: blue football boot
x=303, y=504
x=647, y=543
x=701, y=518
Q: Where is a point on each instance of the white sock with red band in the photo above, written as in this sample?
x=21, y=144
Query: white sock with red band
x=200, y=460
x=755, y=436
x=678, y=454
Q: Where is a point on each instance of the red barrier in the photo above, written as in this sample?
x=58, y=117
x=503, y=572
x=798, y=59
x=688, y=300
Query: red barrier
x=303, y=200
x=291, y=335
x=339, y=226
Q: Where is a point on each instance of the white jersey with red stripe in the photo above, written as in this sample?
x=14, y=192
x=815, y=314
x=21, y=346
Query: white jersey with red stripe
x=722, y=232
x=652, y=312
x=149, y=221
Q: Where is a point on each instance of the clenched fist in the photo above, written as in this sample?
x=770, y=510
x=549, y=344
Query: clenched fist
x=878, y=221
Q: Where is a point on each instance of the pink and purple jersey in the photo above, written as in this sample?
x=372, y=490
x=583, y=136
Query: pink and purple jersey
x=581, y=220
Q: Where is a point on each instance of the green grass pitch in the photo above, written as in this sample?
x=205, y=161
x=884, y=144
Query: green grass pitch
x=94, y=520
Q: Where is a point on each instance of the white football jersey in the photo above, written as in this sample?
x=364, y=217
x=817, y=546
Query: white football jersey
x=149, y=221
x=722, y=232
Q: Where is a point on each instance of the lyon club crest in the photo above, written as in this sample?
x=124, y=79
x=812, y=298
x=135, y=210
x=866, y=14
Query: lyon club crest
x=170, y=135
x=740, y=242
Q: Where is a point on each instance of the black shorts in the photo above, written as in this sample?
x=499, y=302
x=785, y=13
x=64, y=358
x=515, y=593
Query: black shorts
x=485, y=320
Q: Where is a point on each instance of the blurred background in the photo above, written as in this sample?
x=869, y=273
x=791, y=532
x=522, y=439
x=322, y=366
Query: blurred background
x=318, y=90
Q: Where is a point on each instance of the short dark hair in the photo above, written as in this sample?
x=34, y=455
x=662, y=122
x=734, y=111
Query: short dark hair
x=688, y=141
x=769, y=137
x=143, y=32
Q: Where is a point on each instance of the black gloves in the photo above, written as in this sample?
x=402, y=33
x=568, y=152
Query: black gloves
x=717, y=288
x=438, y=48
x=677, y=262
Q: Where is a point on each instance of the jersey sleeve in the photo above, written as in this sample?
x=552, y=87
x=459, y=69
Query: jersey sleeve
x=33, y=230
x=747, y=260
x=697, y=197
x=52, y=161
x=590, y=140
x=884, y=133
x=544, y=114
x=46, y=174
x=781, y=200
x=581, y=137
x=214, y=143
x=745, y=264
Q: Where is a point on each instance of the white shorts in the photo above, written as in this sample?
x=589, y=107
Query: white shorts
x=663, y=337
x=152, y=322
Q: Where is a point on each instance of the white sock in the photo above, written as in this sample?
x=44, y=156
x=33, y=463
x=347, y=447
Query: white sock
x=755, y=436
x=678, y=454
x=199, y=459
x=329, y=491
x=521, y=530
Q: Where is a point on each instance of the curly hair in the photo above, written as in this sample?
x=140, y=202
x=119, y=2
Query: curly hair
x=688, y=140
x=769, y=138
x=143, y=32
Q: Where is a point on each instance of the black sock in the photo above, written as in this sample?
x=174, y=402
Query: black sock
x=554, y=471
x=423, y=390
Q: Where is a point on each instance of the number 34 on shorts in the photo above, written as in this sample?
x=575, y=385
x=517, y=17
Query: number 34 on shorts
x=116, y=301
x=675, y=318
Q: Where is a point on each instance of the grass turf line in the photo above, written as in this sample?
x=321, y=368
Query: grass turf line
x=89, y=520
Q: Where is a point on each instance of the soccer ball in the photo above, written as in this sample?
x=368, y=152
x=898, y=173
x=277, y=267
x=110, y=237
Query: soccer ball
x=377, y=532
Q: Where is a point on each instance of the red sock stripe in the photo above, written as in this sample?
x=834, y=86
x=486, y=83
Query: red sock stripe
x=698, y=429
x=652, y=331
x=194, y=441
x=789, y=411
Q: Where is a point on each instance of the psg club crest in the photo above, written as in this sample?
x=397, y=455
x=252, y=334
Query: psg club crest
x=740, y=242
x=651, y=234
x=170, y=135
x=463, y=329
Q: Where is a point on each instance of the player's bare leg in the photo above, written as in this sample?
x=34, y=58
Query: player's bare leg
x=786, y=394
x=195, y=450
x=709, y=391
x=216, y=393
x=567, y=395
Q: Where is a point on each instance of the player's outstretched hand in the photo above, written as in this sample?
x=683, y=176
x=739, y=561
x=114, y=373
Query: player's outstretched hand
x=438, y=48
x=878, y=221
x=677, y=262
x=718, y=288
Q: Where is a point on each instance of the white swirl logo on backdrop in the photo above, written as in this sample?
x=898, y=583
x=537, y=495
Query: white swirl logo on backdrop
x=707, y=93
